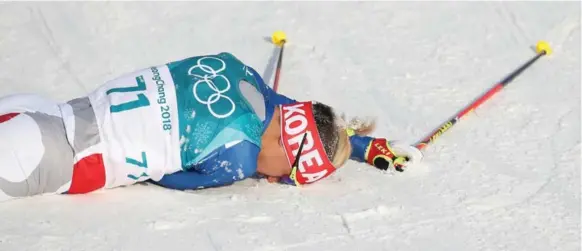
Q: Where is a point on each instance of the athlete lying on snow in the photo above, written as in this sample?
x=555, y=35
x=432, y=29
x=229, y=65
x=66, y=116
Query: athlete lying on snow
x=201, y=122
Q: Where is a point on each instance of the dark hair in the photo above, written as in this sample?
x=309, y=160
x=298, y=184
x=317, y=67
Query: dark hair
x=325, y=119
x=335, y=132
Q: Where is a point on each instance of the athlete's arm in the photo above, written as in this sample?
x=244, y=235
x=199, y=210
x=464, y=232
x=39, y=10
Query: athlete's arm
x=227, y=166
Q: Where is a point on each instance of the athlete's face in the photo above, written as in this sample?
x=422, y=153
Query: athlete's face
x=272, y=160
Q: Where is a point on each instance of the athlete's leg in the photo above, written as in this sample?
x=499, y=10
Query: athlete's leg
x=35, y=154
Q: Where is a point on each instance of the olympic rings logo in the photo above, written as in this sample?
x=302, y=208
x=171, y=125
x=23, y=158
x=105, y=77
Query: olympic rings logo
x=210, y=76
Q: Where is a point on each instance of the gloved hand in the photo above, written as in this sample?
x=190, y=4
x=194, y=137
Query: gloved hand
x=395, y=155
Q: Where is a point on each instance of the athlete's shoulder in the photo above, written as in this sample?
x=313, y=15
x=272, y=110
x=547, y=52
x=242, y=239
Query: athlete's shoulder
x=221, y=55
x=228, y=55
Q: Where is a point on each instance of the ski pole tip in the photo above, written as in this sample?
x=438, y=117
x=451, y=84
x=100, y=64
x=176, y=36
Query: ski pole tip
x=542, y=46
x=278, y=38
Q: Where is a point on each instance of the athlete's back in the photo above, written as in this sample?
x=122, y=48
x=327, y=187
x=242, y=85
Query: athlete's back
x=170, y=117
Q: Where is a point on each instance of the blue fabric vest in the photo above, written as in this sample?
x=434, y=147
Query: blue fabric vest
x=212, y=112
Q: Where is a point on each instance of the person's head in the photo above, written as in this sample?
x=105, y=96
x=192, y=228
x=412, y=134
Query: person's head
x=326, y=146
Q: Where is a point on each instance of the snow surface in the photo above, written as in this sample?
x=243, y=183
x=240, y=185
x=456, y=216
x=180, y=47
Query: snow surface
x=506, y=178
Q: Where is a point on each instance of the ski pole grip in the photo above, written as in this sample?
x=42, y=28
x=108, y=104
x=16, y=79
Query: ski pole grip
x=399, y=163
